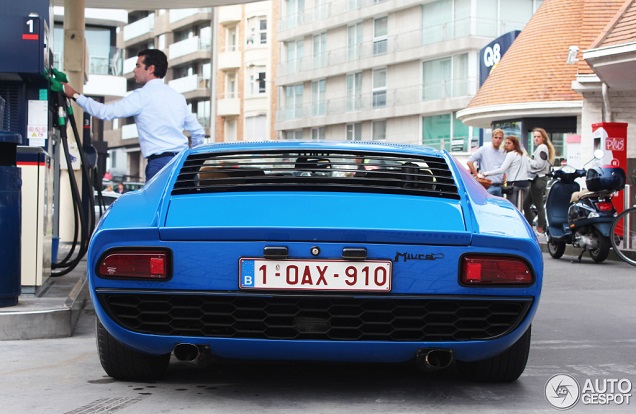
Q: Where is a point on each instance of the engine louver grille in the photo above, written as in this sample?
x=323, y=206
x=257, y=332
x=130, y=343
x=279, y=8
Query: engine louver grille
x=324, y=318
x=324, y=171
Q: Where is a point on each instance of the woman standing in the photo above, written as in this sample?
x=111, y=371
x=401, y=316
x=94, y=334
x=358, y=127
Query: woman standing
x=515, y=166
x=540, y=165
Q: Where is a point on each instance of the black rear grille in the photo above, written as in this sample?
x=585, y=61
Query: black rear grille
x=341, y=171
x=336, y=318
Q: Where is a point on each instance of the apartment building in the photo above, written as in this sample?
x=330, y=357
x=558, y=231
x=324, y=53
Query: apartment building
x=247, y=53
x=393, y=70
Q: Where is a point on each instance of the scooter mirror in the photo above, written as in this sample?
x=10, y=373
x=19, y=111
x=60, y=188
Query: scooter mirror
x=599, y=154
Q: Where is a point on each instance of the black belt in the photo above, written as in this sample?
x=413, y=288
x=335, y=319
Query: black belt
x=496, y=184
x=163, y=154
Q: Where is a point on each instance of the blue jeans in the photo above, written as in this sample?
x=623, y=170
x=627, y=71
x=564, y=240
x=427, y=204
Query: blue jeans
x=495, y=190
x=155, y=164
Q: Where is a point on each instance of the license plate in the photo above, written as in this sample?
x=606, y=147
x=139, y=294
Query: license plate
x=315, y=275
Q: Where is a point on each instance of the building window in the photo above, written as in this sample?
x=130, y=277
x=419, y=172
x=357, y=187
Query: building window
x=262, y=31
x=354, y=91
x=445, y=78
x=354, y=132
x=318, y=98
x=446, y=132
x=354, y=4
x=354, y=41
x=203, y=113
x=320, y=50
x=257, y=31
x=380, y=36
x=294, y=101
x=256, y=128
x=257, y=83
x=229, y=129
x=318, y=134
x=230, y=86
x=379, y=130
x=379, y=88
x=231, y=39
x=295, y=53
x=296, y=134
x=294, y=13
x=321, y=9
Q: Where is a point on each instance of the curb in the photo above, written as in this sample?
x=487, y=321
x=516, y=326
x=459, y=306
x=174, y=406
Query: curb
x=44, y=318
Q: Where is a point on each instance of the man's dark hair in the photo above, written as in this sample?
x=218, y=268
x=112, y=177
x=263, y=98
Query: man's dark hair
x=155, y=57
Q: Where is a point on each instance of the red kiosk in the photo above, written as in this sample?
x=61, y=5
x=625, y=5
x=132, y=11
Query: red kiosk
x=611, y=137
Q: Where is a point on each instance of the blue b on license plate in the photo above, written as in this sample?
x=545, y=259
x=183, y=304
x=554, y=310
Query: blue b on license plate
x=315, y=275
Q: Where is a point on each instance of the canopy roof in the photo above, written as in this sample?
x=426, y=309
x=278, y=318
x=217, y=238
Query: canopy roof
x=154, y=4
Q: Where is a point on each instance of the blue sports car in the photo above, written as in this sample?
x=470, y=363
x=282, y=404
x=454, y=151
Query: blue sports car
x=315, y=251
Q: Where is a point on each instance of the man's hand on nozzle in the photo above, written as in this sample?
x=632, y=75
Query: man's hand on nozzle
x=68, y=90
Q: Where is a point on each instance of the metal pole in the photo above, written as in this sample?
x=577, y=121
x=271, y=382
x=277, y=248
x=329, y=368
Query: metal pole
x=627, y=231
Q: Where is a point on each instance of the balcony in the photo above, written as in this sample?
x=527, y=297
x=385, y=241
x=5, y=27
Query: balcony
x=188, y=50
x=129, y=65
x=176, y=15
x=129, y=131
x=105, y=85
x=443, y=96
x=229, y=60
x=139, y=28
x=399, y=48
x=229, y=105
x=229, y=15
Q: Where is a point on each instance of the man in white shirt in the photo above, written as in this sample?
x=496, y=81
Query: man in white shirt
x=490, y=157
x=160, y=112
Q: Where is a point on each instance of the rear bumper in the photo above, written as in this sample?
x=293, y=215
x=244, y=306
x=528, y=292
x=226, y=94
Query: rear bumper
x=333, y=328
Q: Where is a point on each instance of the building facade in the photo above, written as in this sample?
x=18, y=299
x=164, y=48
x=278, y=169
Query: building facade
x=568, y=70
x=394, y=70
x=247, y=60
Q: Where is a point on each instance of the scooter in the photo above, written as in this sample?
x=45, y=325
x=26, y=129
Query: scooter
x=582, y=218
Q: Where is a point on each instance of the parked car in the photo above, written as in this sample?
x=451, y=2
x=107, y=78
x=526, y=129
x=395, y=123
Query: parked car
x=290, y=251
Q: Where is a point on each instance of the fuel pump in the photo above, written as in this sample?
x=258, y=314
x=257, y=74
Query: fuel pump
x=25, y=56
x=37, y=111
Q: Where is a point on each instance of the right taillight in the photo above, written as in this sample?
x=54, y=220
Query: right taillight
x=136, y=264
x=494, y=270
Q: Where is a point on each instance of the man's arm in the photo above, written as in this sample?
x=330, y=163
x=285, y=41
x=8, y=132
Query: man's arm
x=475, y=156
x=197, y=133
x=128, y=106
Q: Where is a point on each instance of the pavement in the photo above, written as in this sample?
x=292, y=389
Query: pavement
x=50, y=313
x=53, y=312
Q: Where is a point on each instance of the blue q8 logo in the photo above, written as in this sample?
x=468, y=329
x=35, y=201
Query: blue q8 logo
x=492, y=55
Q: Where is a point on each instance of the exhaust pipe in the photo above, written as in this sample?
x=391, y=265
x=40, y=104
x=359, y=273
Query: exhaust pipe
x=433, y=359
x=186, y=352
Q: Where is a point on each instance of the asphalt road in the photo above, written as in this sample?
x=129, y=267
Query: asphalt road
x=585, y=328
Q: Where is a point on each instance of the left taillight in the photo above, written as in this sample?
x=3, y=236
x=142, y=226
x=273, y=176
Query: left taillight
x=604, y=206
x=495, y=270
x=136, y=264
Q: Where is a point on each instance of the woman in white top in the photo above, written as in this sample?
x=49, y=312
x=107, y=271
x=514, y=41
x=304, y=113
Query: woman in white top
x=540, y=165
x=515, y=166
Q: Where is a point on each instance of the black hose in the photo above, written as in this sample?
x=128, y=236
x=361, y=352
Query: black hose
x=86, y=224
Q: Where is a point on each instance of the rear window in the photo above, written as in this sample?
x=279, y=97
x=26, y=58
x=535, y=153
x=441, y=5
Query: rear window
x=316, y=171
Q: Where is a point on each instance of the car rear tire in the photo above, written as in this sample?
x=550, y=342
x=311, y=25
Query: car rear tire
x=505, y=367
x=602, y=249
x=555, y=248
x=124, y=363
